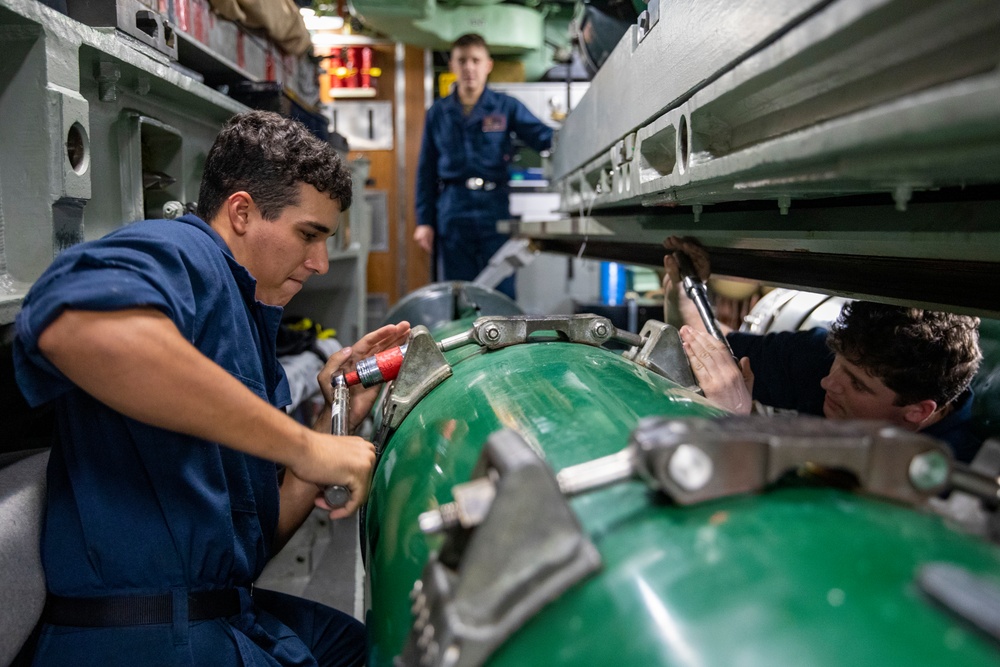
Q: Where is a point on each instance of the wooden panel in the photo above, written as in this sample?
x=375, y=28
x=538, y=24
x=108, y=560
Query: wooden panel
x=384, y=267
x=418, y=263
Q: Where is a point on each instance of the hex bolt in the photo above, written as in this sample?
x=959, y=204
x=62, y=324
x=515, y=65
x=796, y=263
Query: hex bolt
x=643, y=21
x=784, y=203
x=901, y=195
x=615, y=155
x=492, y=332
x=690, y=467
x=173, y=209
x=929, y=470
x=451, y=655
x=643, y=25
x=600, y=329
x=419, y=604
x=436, y=520
x=107, y=76
x=425, y=637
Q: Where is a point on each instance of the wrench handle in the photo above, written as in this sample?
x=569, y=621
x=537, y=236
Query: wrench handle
x=338, y=496
x=697, y=292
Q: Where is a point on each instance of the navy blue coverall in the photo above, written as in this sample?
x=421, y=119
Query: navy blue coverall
x=457, y=148
x=137, y=510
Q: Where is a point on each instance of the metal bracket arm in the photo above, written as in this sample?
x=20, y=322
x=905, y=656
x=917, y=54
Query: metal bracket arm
x=694, y=460
x=494, y=333
x=662, y=352
x=424, y=367
x=484, y=584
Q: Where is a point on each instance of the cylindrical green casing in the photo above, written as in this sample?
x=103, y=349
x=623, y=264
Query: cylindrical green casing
x=798, y=575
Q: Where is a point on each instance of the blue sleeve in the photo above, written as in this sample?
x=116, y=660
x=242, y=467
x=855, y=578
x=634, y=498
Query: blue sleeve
x=529, y=129
x=99, y=276
x=958, y=428
x=787, y=367
x=427, y=175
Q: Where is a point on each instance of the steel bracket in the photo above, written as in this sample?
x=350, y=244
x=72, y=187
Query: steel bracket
x=694, y=460
x=424, y=367
x=495, y=333
x=486, y=582
x=662, y=352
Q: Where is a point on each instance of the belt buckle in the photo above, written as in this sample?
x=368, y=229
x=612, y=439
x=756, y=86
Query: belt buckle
x=474, y=183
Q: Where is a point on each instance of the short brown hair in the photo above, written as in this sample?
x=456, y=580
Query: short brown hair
x=470, y=39
x=268, y=155
x=919, y=354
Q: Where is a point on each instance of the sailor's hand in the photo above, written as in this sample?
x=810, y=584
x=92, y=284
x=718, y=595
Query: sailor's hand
x=346, y=359
x=694, y=250
x=423, y=235
x=347, y=461
x=724, y=383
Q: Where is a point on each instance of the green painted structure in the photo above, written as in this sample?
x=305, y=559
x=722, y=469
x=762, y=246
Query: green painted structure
x=802, y=574
x=508, y=28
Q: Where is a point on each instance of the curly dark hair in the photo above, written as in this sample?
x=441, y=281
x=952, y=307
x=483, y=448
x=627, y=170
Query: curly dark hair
x=268, y=155
x=919, y=354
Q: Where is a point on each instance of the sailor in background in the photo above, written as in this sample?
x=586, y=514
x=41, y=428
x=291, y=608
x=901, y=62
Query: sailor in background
x=462, y=174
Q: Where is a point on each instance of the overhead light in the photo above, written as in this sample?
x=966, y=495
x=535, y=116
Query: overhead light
x=320, y=23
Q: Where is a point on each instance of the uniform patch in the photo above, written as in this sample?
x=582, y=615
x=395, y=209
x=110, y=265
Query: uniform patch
x=495, y=122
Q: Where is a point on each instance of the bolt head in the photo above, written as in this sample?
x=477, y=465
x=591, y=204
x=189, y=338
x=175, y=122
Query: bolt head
x=929, y=470
x=492, y=333
x=601, y=329
x=431, y=521
x=451, y=655
x=173, y=210
x=690, y=467
x=108, y=71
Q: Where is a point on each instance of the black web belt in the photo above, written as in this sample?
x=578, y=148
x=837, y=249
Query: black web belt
x=116, y=611
x=474, y=183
